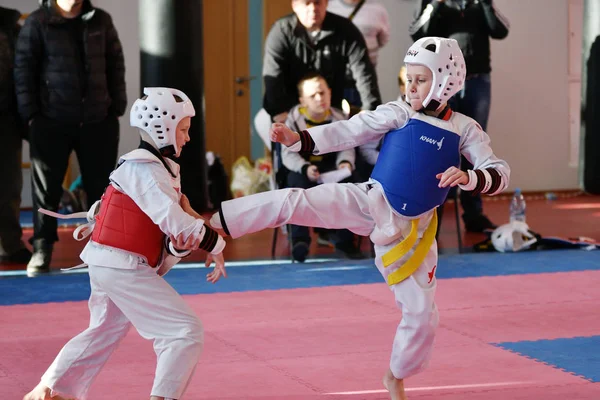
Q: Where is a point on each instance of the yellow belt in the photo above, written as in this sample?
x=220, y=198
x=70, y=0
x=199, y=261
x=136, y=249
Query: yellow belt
x=400, y=250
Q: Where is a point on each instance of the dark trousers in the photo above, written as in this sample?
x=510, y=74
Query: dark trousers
x=363, y=169
x=51, y=143
x=473, y=101
x=301, y=233
x=12, y=184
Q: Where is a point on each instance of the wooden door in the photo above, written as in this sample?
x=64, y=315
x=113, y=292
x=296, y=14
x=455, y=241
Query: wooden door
x=226, y=88
x=273, y=10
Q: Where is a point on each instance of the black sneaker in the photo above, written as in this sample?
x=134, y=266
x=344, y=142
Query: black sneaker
x=479, y=224
x=21, y=256
x=300, y=251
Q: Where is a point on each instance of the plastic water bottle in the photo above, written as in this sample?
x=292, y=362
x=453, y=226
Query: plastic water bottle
x=517, y=207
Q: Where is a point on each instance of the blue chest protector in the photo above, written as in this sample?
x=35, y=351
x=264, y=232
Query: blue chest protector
x=408, y=162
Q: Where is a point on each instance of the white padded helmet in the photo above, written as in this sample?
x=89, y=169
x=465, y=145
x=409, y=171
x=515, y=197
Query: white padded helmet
x=514, y=236
x=158, y=115
x=447, y=63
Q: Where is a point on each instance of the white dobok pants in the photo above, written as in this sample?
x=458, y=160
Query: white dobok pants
x=363, y=209
x=119, y=299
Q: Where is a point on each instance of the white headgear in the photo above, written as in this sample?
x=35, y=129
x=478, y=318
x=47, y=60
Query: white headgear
x=514, y=236
x=158, y=115
x=446, y=62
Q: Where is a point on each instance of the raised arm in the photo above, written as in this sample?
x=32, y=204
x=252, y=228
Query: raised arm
x=497, y=23
x=427, y=19
x=362, y=128
x=490, y=174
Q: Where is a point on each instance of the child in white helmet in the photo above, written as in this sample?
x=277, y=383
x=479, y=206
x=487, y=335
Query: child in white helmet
x=142, y=226
x=396, y=207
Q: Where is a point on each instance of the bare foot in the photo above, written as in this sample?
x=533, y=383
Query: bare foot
x=394, y=386
x=40, y=392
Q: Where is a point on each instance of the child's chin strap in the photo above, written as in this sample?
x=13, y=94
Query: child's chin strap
x=432, y=106
x=148, y=147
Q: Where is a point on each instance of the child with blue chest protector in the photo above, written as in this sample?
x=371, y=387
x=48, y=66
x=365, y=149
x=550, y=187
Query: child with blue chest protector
x=418, y=164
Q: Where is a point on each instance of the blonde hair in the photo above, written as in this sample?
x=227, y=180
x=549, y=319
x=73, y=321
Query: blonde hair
x=402, y=76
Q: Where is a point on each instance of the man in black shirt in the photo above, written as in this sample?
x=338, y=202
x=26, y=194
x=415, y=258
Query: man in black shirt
x=313, y=40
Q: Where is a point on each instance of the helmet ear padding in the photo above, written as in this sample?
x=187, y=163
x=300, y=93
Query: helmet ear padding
x=447, y=64
x=158, y=114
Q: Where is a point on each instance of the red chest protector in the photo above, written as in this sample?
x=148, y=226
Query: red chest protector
x=121, y=224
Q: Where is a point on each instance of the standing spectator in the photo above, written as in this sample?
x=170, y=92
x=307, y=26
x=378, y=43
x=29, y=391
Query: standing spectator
x=472, y=23
x=70, y=84
x=372, y=19
x=12, y=248
x=314, y=40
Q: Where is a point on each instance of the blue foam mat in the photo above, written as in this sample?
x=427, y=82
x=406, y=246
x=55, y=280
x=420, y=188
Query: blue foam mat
x=75, y=287
x=579, y=356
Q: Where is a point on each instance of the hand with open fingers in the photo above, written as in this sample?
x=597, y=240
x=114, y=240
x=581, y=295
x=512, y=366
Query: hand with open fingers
x=282, y=134
x=219, y=270
x=180, y=242
x=451, y=177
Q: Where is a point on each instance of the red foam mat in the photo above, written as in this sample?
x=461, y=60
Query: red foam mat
x=334, y=342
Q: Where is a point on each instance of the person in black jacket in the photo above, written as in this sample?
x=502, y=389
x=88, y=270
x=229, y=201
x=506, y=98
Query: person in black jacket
x=314, y=40
x=70, y=84
x=12, y=248
x=472, y=23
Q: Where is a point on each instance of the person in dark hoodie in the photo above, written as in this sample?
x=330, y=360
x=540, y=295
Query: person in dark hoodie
x=70, y=85
x=472, y=23
x=12, y=248
x=314, y=40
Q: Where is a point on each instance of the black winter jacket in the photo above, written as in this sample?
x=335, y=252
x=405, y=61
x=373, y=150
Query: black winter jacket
x=290, y=54
x=470, y=22
x=70, y=70
x=9, y=29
